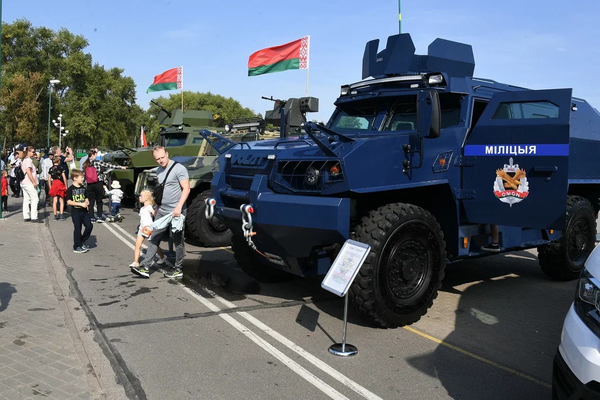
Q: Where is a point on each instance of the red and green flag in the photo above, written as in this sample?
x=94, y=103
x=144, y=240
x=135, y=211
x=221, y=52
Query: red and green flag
x=168, y=80
x=292, y=55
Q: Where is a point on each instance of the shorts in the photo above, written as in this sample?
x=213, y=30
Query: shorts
x=58, y=189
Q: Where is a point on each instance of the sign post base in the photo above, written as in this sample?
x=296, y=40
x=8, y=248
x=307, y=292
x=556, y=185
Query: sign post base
x=344, y=349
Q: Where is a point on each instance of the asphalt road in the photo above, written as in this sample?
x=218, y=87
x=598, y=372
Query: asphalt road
x=492, y=333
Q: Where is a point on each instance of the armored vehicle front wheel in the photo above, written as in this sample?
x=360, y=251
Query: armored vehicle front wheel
x=254, y=264
x=404, y=270
x=564, y=260
x=211, y=233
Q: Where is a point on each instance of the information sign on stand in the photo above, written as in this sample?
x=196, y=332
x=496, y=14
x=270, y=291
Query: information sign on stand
x=338, y=280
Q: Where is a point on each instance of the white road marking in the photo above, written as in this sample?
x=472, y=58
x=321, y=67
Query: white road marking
x=294, y=366
x=300, y=351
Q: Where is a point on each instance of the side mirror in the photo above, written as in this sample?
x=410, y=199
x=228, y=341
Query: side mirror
x=429, y=113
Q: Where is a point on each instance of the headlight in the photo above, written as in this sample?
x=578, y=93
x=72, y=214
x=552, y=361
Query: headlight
x=312, y=176
x=587, y=301
x=436, y=79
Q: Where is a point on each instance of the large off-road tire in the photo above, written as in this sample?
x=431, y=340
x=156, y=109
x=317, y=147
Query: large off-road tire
x=211, y=233
x=564, y=260
x=253, y=263
x=401, y=276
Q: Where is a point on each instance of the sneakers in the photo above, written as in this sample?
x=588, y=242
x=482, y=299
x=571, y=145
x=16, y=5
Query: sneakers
x=85, y=247
x=176, y=273
x=80, y=249
x=134, y=265
x=26, y=219
x=56, y=217
x=61, y=217
x=493, y=247
x=101, y=220
x=141, y=271
x=161, y=261
x=93, y=220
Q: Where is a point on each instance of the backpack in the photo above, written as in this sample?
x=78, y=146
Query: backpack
x=91, y=175
x=160, y=188
x=19, y=174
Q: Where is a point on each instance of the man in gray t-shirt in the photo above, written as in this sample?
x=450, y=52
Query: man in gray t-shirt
x=175, y=194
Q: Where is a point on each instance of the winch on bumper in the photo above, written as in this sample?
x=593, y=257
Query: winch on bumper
x=296, y=233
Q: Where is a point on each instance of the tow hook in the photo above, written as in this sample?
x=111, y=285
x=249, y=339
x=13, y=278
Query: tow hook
x=247, y=226
x=209, y=211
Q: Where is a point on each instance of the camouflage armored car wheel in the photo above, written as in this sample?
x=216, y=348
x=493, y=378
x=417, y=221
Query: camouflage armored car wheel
x=211, y=233
x=564, y=260
x=404, y=270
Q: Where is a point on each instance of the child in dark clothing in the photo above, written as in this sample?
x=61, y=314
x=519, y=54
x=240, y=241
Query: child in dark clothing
x=80, y=216
x=4, y=190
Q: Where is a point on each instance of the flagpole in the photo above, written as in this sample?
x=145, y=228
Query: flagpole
x=307, y=69
x=182, y=89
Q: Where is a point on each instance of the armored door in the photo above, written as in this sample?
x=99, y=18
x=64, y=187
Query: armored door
x=515, y=161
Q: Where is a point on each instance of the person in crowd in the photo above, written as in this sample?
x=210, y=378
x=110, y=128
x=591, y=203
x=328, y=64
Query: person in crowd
x=116, y=195
x=47, y=164
x=494, y=246
x=30, y=187
x=95, y=177
x=2, y=163
x=82, y=160
x=77, y=199
x=4, y=189
x=35, y=158
x=64, y=160
x=145, y=230
x=58, y=188
x=176, y=188
x=15, y=184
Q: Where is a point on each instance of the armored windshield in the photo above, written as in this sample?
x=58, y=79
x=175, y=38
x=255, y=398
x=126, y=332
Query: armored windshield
x=177, y=139
x=355, y=117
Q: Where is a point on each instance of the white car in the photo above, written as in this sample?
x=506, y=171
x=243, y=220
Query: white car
x=576, y=372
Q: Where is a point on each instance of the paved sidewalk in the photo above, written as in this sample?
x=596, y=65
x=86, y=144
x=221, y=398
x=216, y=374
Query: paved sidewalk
x=41, y=353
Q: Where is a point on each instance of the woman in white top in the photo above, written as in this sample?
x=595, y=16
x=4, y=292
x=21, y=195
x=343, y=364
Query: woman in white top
x=30, y=185
x=145, y=230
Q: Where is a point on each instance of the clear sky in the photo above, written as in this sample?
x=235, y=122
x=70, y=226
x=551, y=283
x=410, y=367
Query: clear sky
x=532, y=43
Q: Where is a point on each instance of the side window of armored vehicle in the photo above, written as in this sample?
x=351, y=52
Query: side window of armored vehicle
x=526, y=110
x=478, y=107
x=354, y=117
x=403, y=115
x=450, y=105
x=197, y=140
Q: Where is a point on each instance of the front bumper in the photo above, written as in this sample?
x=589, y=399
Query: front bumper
x=295, y=228
x=576, y=372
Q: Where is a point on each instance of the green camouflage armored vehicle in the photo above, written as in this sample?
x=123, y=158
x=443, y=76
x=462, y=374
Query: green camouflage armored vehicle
x=179, y=134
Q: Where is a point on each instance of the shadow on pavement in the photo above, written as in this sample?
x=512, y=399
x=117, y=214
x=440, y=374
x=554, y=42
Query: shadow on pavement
x=6, y=292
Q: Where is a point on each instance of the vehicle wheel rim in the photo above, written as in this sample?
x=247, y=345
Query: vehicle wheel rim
x=578, y=241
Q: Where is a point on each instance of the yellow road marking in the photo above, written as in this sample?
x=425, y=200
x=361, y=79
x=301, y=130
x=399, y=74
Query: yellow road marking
x=479, y=358
x=226, y=249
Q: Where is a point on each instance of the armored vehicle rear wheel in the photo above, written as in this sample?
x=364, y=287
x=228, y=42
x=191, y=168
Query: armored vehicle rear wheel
x=211, y=233
x=404, y=270
x=252, y=263
x=564, y=260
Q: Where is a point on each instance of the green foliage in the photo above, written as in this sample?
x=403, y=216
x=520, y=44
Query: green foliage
x=223, y=109
x=98, y=105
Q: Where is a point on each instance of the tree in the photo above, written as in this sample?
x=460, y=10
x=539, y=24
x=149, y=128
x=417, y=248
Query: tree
x=223, y=109
x=19, y=97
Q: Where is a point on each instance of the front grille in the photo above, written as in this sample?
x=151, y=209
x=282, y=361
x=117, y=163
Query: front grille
x=292, y=175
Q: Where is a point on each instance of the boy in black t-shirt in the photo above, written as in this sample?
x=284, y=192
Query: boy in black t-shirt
x=80, y=216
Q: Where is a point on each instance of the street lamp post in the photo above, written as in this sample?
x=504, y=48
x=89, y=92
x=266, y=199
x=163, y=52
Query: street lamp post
x=52, y=82
x=60, y=130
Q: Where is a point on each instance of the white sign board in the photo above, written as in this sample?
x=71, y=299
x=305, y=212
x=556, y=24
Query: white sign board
x=345, y=267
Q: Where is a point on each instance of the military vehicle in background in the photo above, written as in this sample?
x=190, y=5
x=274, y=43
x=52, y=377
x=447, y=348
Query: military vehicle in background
x=178, y=133
x=212, y=232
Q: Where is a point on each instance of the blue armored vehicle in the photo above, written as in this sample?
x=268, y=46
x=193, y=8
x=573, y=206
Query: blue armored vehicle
x=427, y=165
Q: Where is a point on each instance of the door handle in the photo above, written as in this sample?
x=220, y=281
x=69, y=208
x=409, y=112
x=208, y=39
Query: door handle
x=542, y=168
